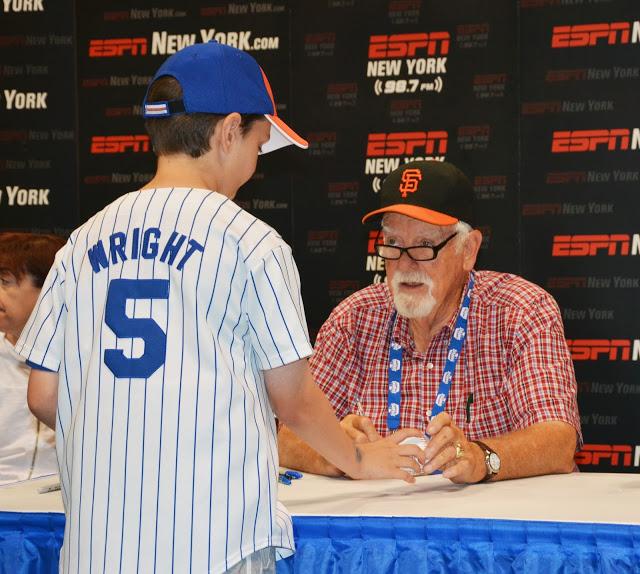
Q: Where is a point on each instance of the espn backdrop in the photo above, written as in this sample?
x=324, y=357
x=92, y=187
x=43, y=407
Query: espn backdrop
x=537, y=102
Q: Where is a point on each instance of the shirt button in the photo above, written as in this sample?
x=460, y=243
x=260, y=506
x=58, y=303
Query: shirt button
x=428, y=413
x=429, y=366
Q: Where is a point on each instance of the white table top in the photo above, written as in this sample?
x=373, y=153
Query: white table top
x=577, y=497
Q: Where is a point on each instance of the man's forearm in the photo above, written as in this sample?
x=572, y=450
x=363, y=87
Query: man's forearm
x=297, y=454
x=542, y=448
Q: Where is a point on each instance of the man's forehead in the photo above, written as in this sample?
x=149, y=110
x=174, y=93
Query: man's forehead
x=398, y=222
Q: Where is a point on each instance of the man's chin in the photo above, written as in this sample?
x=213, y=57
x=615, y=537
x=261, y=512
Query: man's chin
x=411, y=309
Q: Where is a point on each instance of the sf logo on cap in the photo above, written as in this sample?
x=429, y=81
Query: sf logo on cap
x=409, y=182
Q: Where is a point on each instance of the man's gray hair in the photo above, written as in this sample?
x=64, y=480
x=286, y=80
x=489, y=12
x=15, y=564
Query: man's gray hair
x=462, y=229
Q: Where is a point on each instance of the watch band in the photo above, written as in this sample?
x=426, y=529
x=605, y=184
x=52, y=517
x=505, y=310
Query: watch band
x=487, y=453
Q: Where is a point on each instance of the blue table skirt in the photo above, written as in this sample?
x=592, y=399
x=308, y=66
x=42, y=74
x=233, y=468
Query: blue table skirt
x=30, y=544
x=368, y=545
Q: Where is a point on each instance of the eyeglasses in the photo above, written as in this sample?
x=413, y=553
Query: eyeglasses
x=416, y=252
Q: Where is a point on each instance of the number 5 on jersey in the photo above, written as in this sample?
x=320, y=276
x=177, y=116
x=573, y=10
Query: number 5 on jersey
x=125, y=327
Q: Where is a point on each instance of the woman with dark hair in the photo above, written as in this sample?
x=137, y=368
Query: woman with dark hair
x=27, y=447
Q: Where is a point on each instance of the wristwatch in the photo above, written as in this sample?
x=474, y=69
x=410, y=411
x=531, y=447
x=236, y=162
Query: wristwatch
x=491, y=460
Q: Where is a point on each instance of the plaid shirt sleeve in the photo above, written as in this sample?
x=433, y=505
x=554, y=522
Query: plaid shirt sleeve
x=333, y=363
x=542, y=384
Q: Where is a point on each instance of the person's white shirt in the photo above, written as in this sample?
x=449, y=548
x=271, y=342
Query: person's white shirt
x=27, y=446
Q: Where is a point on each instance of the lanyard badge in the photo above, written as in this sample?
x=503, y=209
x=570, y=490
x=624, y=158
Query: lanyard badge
x=456, y=343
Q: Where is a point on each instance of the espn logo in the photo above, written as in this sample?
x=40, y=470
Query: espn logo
x=373, y=261
x=576, y=282
x=610, y=349
x=119, y=144
x=407, y=143
x=583, y=35
x=590, y=245
x=531, y=209
x=375, y=237
x=406, y=45
x=612, y=454
x=566, y=177
x=581, y=141
x=116, y=47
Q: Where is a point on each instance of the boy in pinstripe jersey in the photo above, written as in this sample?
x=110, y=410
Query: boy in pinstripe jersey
x=169, y=330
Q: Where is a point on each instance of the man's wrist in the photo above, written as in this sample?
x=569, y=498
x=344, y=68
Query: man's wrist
x=491, y=460
x=480, y=468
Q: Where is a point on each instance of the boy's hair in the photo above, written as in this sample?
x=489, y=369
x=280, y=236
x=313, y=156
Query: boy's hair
x=28, y=254
x=183, y=133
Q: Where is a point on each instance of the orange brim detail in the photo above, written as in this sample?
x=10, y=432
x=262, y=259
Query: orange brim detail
x=282, y=136
x=420, y=213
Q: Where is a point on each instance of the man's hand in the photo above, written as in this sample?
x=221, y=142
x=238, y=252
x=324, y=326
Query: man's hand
x=441, y=452
x=385, y=458
x=360, y=429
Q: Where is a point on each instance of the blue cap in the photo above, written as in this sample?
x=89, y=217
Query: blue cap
x=219, y=79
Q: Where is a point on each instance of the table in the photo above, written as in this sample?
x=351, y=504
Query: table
x=563, y=523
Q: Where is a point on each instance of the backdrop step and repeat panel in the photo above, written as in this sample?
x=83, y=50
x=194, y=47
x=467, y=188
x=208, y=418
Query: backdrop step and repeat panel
x=535, y=101
x=579, y=184
x=38, y=151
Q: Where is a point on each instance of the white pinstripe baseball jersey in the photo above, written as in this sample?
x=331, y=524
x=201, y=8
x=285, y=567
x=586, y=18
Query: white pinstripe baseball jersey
x=160, y=314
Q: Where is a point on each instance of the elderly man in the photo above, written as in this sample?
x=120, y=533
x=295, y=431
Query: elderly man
x=477, y=359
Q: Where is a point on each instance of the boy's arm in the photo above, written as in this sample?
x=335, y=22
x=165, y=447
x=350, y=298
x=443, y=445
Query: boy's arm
x=42, y=396
x=302, y=406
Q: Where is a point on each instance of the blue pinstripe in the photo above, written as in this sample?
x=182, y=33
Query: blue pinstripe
x=226, y=308
x=215, y=384
x=287, y=281
x=284, y=322
x=43, y=297
x=162, y=400
x=113, y=402
x=197, y=402
x=266, y=320
x=175, y=478
x=126, y=440
x=257, y=244
x=99, y=393
x=144, y=408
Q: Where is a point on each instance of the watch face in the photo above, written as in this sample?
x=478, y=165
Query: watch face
x=494, y=462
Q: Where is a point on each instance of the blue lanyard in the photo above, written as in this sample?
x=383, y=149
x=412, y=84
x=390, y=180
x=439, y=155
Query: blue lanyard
x=453, y=354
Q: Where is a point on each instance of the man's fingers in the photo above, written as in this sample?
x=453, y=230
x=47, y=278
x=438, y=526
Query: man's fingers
x=446, y=455
x=437, y=422
x=459, y=472
x=439, y=441
x=368, y=428
x=402, y=434
x=412, y=450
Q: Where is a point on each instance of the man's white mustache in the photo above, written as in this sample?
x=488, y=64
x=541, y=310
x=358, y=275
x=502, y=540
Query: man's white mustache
x=411, y=277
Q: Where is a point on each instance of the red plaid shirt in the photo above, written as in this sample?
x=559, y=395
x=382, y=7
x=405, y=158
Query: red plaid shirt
x=515, y=361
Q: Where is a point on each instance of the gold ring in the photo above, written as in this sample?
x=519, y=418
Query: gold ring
x=459, y=450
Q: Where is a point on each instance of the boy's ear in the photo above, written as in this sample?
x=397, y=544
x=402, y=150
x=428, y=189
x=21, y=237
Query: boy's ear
x=228, y=130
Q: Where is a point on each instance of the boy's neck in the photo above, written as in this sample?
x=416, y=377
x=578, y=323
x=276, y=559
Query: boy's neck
x=181, y=170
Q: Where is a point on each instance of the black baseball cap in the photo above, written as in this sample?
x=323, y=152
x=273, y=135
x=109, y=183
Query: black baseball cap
x=436, y=192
